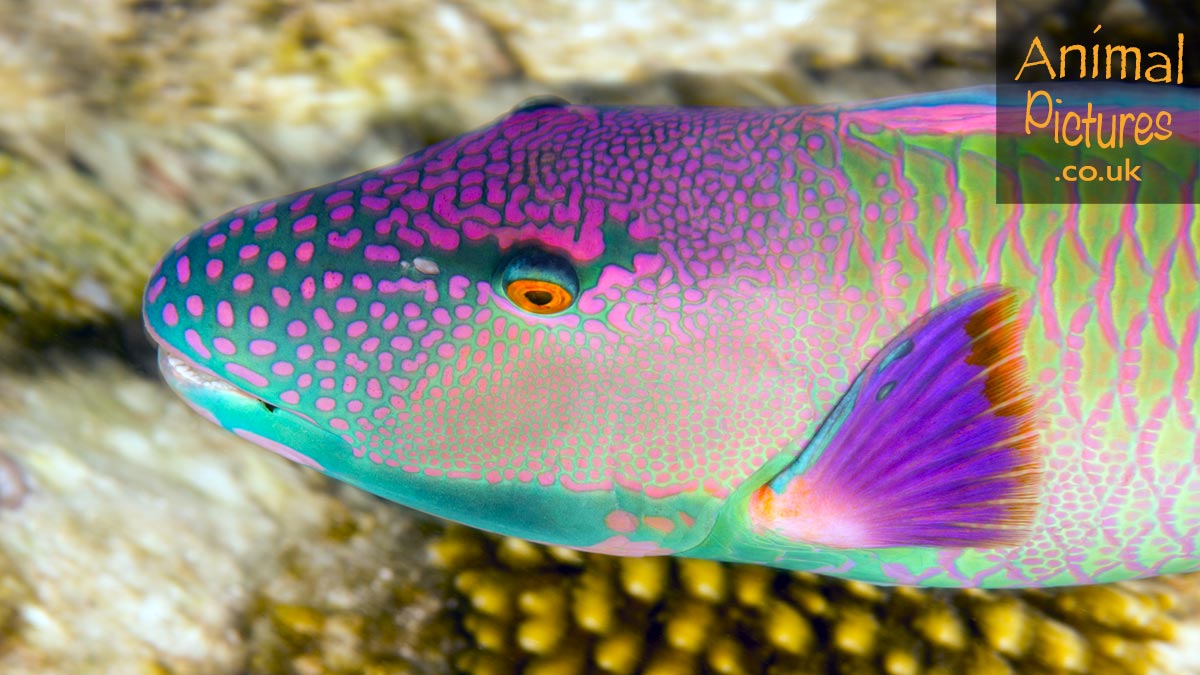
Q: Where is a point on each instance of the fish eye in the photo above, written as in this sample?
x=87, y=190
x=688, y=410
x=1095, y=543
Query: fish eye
x=539, y=282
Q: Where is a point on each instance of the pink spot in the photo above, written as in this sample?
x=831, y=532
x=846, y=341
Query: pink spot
x=345, y=305
x=236, y=224
x=279, y=449
x=248, y=252
x=276, y=261
x=345, y=240
x=385, y=253
x=304, y=352
x=325, y=404
x=170, y=315
x=401, y=343
x=246, y=374
x=342, y=425
x=308, y=288
x=216, y=241
x=281, y=368
x=265, y=226
x=193, y=340
x=281, y=297
x=225, y=314
x=296, y=328
x=213, y=268
x=183, y=269
x=338, y=197
x=374, y=390
x=290, y=397
x=370, y=344
x=621, y=521
x=349, y=385
x=362, y=282
x=322, y=318
x=304, y=252
x=331, y=344
x=195, y=305
x=224, y=346
x=375, y=203
x=304, y=224
x=258, y=317
x=156, y=289
x=343, y=212
x=260, y=347
x=356, y=328
x=243, y=282
x=301, y=202
x=333, y=280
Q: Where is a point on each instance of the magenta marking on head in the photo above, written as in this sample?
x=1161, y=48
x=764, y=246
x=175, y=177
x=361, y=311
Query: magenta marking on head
x=243, y=282
x=374, y=389
x=248, y=252
x=296, y=328
x=343, y=212
x=385, y=253
x=308, y=288
x=338, y=197
x=259, y=317
x=370, y=344
x=170, y=315
x=375, y=203
x=331, y=344
x=322, y=319
x=282, y=368
x=193, y=340
x=224, y=345
x=281, y=297
x=301, y=202
x=183, y=269
x=276, y=261
x=345, y=304
x=246, y=374
x=411, y=238
x=332, y=280
x=266, y=226
x=290, y=397
x=325, y=404
x=195, y=305
x=237, y=224
x=156, y=289
x=304, y=352
x=213, y=268
x=356, y=328
x=262, y=347
x=216, y=241
x=304, y=224
x=391, y=321
x=344, y=240
x=225, y=314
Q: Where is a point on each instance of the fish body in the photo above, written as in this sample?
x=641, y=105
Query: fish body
x=806, y=337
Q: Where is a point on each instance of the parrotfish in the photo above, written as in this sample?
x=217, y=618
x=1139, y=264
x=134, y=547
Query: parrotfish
x=809, y=338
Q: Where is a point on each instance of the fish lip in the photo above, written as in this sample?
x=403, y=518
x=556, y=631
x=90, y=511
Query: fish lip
x=181, y=370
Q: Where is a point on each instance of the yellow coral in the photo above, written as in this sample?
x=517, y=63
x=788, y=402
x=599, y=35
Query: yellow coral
x=534, y=609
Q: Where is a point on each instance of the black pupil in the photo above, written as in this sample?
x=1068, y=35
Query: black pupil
x=539, y=298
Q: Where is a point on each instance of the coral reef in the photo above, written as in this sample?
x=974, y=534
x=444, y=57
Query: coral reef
x=552, y=611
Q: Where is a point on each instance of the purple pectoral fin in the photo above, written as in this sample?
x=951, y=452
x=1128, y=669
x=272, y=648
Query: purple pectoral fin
x=934, y=444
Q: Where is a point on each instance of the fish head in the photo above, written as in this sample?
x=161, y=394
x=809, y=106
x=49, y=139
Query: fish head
x=509, y=310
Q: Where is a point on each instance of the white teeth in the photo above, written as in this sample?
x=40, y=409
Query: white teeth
x=190, y=374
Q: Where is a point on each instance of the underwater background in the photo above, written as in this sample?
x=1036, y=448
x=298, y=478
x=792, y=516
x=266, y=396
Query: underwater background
x=135, y=537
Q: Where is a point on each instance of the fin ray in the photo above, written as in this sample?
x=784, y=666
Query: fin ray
x=934, y=444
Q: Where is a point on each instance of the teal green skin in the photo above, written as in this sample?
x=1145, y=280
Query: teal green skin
x=730, y=272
